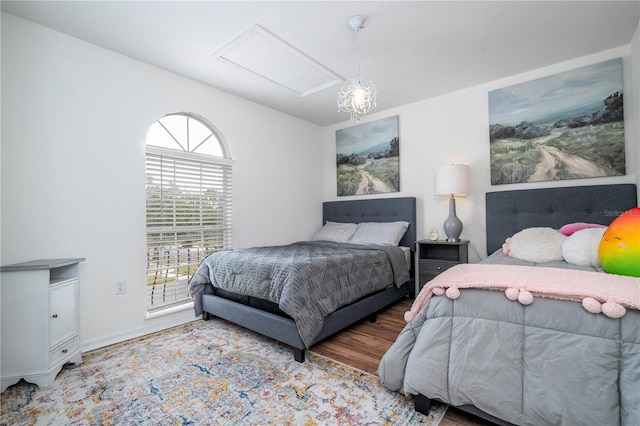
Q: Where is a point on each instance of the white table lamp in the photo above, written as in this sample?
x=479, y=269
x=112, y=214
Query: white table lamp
x=452, y=180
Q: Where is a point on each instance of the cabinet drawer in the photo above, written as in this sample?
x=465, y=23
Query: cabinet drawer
x=435, y=267
x=62, y=352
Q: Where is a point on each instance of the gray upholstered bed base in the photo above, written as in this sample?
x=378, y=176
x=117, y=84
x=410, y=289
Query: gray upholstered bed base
x=511, y=211
x=284, y=329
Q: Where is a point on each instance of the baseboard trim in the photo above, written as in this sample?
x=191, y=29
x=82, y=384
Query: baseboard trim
x=157, y=324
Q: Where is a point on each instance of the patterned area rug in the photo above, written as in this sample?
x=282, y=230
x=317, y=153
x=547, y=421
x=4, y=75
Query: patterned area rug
x=208, y=373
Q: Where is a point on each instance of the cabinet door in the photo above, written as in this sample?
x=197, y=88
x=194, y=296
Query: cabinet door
x=62, y=312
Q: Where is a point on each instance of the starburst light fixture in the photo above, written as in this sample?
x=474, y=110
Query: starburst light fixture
x=359, y=98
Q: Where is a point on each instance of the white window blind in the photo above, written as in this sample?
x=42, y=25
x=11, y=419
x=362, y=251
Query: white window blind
x=189, y=216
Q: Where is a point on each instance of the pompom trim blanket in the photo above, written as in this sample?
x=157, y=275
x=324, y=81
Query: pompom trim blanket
x=598, y=292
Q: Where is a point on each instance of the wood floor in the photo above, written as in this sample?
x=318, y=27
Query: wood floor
x=363, y=345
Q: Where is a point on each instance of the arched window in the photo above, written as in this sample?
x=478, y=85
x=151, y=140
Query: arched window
x=189, y=179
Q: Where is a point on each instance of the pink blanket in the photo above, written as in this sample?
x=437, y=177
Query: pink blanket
x=598, y=291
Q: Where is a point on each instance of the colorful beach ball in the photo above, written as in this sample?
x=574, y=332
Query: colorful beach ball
x=619, y=249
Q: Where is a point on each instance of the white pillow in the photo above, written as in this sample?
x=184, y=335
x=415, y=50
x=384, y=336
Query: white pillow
x=537, y=245
x=581, y=247
x=379, y=233
x=336, y=232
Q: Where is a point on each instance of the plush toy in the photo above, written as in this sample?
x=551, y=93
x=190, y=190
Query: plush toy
x=537, y=244
x=619, y=249
x=581, y=248
x=506, y=247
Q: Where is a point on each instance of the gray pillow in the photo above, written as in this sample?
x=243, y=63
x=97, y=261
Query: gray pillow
x=336, y=232
x=379, y=233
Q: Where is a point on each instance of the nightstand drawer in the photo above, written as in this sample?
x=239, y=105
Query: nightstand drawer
x=434, y=267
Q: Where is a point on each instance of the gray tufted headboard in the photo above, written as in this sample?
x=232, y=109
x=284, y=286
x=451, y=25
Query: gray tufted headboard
x=375, y=210
x=511, y=211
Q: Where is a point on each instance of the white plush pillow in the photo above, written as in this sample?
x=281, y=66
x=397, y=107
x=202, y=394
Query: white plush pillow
x=537, y=245
x=336, y=232
x=379, y=233
x=581, y=247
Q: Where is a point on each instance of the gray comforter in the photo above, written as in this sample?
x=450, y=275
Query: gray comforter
x=548, y=363
x=308, y=280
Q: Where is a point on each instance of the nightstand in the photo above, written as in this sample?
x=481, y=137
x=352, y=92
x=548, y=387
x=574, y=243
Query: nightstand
x=434, y=257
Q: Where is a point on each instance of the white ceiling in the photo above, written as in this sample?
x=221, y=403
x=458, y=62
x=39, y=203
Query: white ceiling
x=412, y=50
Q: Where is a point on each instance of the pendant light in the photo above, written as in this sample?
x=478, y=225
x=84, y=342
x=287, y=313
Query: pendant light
x=359, y=97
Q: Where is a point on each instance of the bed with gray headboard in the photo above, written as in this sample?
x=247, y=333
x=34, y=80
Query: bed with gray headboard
x=531, y=361
x=268, y=317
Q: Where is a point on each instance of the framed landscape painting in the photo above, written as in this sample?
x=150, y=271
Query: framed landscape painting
x=368, y=158
x=566, y=126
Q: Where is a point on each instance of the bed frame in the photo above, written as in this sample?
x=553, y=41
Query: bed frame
x=511, y=211
x=282, y=328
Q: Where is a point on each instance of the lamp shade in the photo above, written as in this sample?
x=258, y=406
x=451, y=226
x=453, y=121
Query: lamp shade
x=453, y=179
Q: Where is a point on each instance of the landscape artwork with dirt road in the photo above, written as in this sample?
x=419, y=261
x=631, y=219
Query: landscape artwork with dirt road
x=566, y=126
x=368, y=158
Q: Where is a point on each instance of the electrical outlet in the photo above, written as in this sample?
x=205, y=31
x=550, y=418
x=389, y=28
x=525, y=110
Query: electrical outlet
x=120, y=287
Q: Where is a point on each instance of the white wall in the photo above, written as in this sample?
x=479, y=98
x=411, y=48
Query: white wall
x=74, y=121
x=454, y=128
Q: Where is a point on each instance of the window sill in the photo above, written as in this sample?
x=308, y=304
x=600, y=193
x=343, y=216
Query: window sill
x=168, y=310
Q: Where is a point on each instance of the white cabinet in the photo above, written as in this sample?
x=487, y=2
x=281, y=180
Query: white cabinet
x=40, y=328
